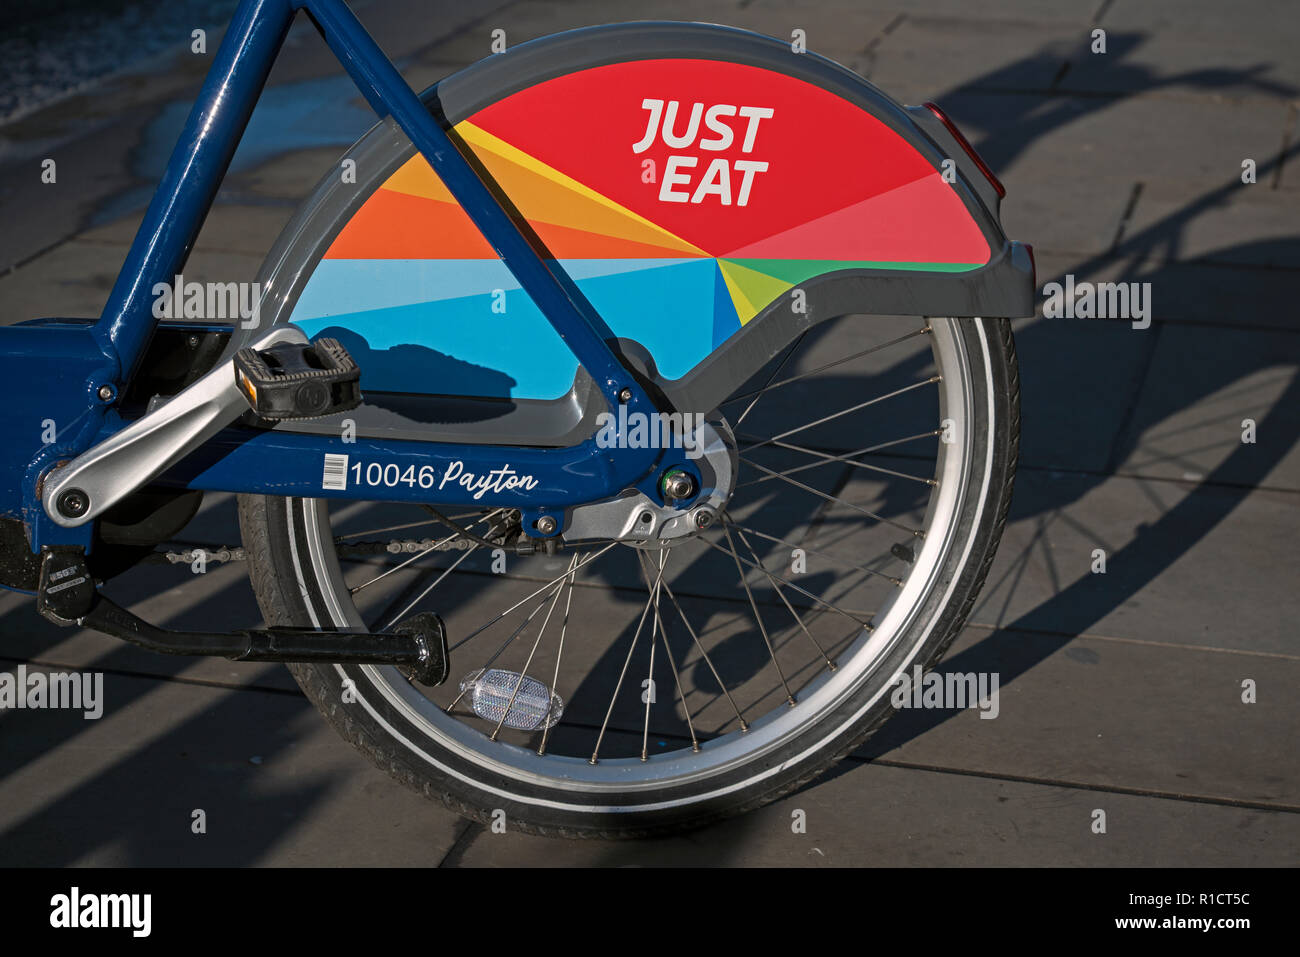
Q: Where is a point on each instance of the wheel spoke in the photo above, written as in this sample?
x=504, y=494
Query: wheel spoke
x=847, y=460
x=418, y=555
x=812, y=551
x=529, y=597
x=527, y=664
x=509, y=641
x=767, y=387
x=403, y=527
x=650, y=678
x=744, y=725
x=559, y=654
x=780, y=594
x=794, y=347
x=425, y=594
x=844, y=457
x=677, y=680
x=803, y=591
x=916, y=532
x=835, y=415
x=744, y=581
x=623, y=674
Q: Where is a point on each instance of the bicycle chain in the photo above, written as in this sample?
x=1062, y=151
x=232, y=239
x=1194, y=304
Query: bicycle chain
x=403, y=546
x=234, y=553
x=210, y=556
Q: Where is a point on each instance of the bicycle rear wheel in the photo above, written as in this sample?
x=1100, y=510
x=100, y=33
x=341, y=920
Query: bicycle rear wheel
x=876, y=453
x=730, y=654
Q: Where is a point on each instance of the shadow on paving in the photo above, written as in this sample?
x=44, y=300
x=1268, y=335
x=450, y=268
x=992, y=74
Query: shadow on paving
x=1157, y=545
x=200, y=762
x=133, y=780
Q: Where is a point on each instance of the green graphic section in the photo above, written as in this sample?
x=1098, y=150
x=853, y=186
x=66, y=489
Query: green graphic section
x=753, y=283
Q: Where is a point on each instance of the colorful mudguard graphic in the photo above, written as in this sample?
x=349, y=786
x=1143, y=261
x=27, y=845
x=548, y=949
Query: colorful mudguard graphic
x=682, y=196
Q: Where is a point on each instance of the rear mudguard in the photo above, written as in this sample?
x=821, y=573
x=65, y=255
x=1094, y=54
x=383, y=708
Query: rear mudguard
x=712, y=192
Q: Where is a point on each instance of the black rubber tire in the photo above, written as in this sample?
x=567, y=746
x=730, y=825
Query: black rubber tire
x=285, y=590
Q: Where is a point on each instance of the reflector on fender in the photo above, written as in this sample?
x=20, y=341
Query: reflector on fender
x=965, y=144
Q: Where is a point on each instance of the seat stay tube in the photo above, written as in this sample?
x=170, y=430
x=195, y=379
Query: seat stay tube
x=573, y=319
x=581, y=473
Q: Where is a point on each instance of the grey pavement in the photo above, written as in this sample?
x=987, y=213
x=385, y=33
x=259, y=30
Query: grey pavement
x=1121, y=691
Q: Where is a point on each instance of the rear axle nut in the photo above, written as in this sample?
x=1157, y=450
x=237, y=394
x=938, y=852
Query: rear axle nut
x=677, y=485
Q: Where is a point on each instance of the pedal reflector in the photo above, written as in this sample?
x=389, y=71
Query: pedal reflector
x=489, y=693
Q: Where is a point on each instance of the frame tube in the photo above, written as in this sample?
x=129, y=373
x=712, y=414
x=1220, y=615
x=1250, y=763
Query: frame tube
x=194, y=173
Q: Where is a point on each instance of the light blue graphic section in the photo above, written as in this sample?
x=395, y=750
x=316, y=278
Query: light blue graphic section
x=341, y=287
x=430, y=325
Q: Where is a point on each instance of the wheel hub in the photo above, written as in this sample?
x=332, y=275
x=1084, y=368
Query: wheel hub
x=692, y=505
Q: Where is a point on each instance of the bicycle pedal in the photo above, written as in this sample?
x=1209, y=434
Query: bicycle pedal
x=298, y=380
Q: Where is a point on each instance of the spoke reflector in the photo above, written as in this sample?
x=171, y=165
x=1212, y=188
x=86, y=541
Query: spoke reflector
x=535, y=706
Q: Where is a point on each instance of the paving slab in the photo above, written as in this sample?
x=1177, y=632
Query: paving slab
x=244, y=230
x=74, y=279
x=844, y=32
x=1166, y=575
x=527, y=21
x=888, y=816
x=1246, y=51
x=1251, y=19
x=276, y=785
x=926, y=56
x=1055, y=213
x=113, y=141
x=1253, y=225
x=86, y=177
x=1098, y=395
x=288, y=179
x=1050, y=11
x=1078, y=380
x=1234, y=297
x=1202, y=384
x=1183, y=729
x=1195, y=145
x=1078, y=169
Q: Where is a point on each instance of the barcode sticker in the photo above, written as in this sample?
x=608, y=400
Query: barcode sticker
x=335, y=476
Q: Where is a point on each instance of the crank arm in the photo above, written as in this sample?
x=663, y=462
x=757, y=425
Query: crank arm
x=67, y=596
x=102, y=476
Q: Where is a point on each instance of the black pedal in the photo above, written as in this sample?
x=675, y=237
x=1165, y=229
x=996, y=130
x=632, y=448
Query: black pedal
x=299, y=380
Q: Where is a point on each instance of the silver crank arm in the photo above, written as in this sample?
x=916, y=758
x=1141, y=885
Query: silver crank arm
x=102, y=476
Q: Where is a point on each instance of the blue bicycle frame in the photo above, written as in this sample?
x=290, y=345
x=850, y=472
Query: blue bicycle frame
x=70, y=373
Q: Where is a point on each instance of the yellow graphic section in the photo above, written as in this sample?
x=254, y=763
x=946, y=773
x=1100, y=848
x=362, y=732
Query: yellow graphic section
x=750, y=290
x=543, y=194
